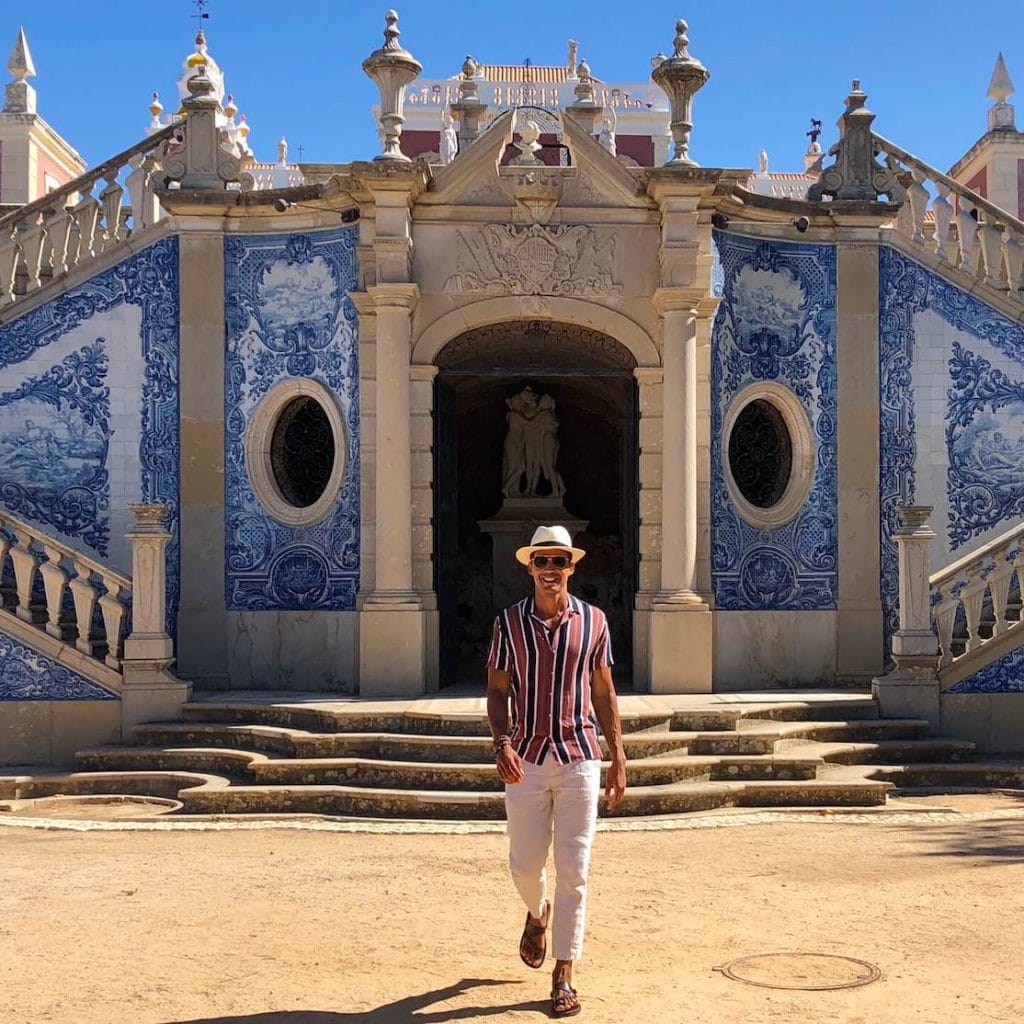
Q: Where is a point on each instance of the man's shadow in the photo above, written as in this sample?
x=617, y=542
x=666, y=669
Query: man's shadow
x=401, y=1011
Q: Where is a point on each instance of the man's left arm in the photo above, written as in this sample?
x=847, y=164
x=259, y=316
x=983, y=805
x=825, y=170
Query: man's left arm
x=606, y=706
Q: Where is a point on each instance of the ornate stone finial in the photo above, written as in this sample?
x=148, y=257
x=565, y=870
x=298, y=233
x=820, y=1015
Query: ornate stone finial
x=854, y=174
x=19, y=96
x=282, y=150
x=680, y=77
x=155, y=110
x=391, y=68
x=469, y=87
x=1000, y=89
x=574, y=48
x=469, y=110
x=20, y=62
x=584, y=91
x=230, y=107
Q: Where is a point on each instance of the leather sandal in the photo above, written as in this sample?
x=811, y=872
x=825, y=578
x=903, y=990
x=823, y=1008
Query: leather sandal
x=564, y=995
x=531, y=952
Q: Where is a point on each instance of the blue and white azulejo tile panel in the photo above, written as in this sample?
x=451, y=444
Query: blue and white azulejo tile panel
x=26, y=674
x=289, y=316
x=776, y=322
x=1003, y=676
x=952, y=428
x=89, y=408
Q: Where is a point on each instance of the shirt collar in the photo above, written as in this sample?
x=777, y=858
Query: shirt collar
x=531, y=609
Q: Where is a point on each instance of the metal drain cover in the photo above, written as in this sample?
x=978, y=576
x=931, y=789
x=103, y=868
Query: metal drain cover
x=811, y=972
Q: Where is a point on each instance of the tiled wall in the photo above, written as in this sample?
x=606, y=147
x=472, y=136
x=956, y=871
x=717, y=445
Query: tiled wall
x=776, y=323
x=89, y=416
x=290, y=317
x=952, y=431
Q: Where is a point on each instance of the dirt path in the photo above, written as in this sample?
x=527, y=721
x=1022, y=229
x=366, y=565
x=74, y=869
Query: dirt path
x=321, y=928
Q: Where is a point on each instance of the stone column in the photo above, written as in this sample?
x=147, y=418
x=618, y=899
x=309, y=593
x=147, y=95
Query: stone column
x=858, y=608
x=150, y=692
x=680, y=655
x=911, y=690
x=392, y=635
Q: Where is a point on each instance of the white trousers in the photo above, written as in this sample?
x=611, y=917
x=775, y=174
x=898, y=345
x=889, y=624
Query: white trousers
x=556, y=801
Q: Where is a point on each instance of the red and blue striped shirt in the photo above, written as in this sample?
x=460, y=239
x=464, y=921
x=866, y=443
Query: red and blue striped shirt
x=551, y=669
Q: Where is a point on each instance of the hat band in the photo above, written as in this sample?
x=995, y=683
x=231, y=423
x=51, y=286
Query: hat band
x=552, y=544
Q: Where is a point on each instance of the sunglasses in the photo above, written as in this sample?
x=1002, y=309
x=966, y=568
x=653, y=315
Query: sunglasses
x=558, y=561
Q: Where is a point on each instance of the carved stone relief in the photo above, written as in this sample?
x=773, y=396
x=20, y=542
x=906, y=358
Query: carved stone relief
x=501, y=259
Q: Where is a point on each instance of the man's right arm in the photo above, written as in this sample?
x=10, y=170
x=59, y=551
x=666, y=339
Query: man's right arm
x=510, y=769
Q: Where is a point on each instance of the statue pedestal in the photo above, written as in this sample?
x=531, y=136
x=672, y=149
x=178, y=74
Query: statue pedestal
x=512, y=528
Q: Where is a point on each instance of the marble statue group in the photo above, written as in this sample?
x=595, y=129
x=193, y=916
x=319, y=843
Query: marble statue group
x=531, y=446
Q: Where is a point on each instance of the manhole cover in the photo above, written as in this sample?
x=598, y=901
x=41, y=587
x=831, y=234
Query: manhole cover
x=805, y=971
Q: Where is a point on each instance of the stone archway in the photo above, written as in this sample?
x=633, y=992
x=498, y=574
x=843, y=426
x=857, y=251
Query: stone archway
x=590, y=377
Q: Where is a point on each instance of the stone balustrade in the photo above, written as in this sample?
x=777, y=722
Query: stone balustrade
x=971, y=598
x=88, y=216
x=81, y=602
x=955, y=223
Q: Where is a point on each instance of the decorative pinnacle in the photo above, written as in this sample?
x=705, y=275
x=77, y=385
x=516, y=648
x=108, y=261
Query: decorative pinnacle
x=155, y=106
x=681, y=40
x=1000, y=88
x=20, y=62
x=468, y=67
x=391, y=32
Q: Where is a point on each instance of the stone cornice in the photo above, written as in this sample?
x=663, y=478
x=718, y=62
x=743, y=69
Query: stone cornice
x=992, y=138
x=374, y=177
x=672, y=180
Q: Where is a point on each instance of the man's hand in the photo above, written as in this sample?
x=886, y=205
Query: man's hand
x=510, y=768
x=615, y=783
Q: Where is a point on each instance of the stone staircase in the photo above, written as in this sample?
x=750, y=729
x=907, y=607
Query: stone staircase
x=312, y=756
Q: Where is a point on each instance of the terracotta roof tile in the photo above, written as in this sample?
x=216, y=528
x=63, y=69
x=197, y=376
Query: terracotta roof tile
x=541, y=74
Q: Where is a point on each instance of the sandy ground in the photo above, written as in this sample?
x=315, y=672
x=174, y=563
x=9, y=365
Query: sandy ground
x=328, y=928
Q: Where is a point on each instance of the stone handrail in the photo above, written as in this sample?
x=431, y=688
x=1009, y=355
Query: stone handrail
x=69, y=226
x=987, y=572
x=59, y=591
x=964, y=230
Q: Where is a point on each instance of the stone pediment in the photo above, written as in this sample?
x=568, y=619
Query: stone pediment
x=600, y=179
x=472, y=177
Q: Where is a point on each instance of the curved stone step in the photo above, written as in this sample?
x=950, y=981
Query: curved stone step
x=896, y=751
x=943, y=775
x=166, y=784
x=215, y=760
x=383, y=746
x=318, y=718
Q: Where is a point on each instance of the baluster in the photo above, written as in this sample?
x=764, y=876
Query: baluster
x=5, y=546
x=9, y=254
x=55, y=581
x=1013, y=254
x=945, y=619
x=111, y=197
x=999, y=587
x=966, y=229
x=917, y=194
x=973, y=596
x=58, y=223
x=86, y=214
x=84, y=594
x=24, y=561
x=992, y=252
x=942, y=210
x=113, y=612
x=32, y=238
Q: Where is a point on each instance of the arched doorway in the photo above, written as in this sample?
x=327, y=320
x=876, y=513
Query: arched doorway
x=588, y=376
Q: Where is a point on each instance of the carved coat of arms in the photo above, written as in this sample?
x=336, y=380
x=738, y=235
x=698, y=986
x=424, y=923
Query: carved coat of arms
x=504, y=259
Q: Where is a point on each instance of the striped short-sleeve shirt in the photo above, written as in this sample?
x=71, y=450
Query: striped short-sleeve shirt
x=551, y=670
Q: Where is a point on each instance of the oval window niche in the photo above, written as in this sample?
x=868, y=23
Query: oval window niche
x=768, y=454
x=295, y=452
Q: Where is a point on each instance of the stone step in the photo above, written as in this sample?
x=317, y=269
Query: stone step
x=757, y=736
x=977, y=775
x=367, y=772
x=859, y=708
x=319, y=718
x=290, y=742
x=165, y=784
x=896, y=751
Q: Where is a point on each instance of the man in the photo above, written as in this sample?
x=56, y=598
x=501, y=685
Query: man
x=551, y=659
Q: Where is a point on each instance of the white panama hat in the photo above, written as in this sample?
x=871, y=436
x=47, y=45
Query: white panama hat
x=556, y=537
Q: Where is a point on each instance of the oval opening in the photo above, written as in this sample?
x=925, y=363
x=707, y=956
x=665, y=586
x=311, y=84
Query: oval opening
x=302, y=451
x=761, y=454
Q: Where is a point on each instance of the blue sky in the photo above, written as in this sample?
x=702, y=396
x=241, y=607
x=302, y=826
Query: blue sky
x=294, y=68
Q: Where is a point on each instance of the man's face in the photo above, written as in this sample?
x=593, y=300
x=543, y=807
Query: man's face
x=548, y=578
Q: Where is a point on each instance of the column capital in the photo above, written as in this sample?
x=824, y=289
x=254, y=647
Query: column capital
x=671, y=300
x=427, y=373
x=394, y=295
x=648, y=375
